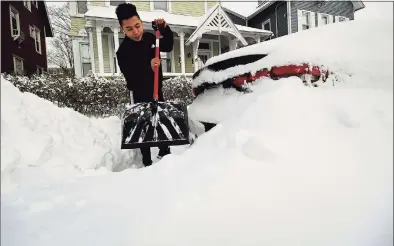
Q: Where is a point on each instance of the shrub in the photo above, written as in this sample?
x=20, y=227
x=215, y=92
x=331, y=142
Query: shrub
x=94, y=96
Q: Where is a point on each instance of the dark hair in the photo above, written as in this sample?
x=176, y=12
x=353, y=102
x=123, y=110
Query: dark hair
x=125, y=11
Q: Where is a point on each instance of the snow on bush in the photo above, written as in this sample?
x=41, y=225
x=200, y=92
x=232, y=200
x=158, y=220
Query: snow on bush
x=92, y=95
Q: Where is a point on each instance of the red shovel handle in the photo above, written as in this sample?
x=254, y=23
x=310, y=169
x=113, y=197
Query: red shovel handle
x=156, y=82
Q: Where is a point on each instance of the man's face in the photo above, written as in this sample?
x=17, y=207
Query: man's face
x=132, y=27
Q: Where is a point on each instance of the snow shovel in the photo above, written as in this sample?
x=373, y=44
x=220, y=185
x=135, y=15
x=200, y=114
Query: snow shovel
x=152, y=124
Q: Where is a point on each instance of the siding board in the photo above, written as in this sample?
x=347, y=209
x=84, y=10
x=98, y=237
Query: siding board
x=337, y=8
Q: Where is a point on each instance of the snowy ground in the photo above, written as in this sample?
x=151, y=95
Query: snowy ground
x=296, y=166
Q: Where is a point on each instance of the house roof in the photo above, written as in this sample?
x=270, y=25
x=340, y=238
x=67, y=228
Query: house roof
x=233, y=12
x=223, y=23
x=48, y=31
x=108, y=12
x=357, y=5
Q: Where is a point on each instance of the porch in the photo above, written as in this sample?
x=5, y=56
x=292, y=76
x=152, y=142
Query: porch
x=95, y=48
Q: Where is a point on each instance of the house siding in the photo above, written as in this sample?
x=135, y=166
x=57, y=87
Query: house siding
x=97, y=3
x=77, y=23
x=26, y=50
x=337, y=8
x=269, y=13
x=236, y=19
x=188, y=8
x=211, y=4
x=141, y=5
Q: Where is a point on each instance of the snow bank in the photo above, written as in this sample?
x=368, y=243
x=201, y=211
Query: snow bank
x=36, y=133
x=314, y=169
x=293, y=166
x=345, y=48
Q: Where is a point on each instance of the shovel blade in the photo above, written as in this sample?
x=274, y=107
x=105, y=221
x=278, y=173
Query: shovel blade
x=155, y=124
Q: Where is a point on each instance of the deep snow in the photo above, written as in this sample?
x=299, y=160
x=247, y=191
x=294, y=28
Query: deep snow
x=295, y=166
x=356, y=53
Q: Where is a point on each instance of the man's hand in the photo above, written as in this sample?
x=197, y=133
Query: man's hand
x=155, y=62
x=160, y=22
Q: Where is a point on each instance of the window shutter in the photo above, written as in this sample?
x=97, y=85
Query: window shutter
x=313, y=19
x=330, y=19
x=319, y=19
x=299, y=15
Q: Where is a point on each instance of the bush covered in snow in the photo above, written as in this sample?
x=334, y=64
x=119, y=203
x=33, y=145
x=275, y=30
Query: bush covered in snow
x=92, y=95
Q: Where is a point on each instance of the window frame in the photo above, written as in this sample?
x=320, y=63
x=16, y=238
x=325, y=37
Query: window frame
x=14, y=11
x=265, y=22
x=27, y=4
x=14, y=58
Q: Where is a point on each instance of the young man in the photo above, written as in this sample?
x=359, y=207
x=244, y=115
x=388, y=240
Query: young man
x=136, y=59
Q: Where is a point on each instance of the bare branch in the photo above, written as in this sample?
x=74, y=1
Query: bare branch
x=61, y=51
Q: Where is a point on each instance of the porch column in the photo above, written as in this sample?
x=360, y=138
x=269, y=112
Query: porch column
x=258, y=38
x=220, y=45
x=100, y=49
x=182, y=48
x=232, y=43
x=116, y=39
x=91, y=50
x=195, y=54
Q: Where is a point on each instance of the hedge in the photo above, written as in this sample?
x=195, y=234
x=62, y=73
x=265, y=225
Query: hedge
x=94, y=96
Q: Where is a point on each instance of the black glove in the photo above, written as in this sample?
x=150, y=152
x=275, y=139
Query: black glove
x=156, y=27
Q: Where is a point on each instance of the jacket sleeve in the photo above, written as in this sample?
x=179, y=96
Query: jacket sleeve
x=124, y=71
x=167, y=41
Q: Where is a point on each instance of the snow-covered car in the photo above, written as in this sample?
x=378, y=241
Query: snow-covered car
x=240, y=80
x=237, y=70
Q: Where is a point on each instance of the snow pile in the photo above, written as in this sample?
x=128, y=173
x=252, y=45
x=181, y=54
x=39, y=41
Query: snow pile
x=345, y=48
x=36, y=133
x=355, y=52
x=294, y=166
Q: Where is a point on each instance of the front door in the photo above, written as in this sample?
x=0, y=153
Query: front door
x=204, y=55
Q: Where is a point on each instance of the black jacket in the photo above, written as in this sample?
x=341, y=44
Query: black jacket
x=134, y=59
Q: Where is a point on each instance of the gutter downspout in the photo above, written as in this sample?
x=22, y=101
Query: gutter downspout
x=276, y=18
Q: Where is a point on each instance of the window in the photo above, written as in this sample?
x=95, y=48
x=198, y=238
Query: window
x=85, y=59
x=166, y=61
x=204, y=46
x=267, y=25
x=160, y=5
x=15, y=24
x=27, y=4
x=324, y=20
x=32, y=31
x=36, y=34
x=18, y=65
x=115, y=3
x=306, y=20
x=82, y=7
x=341, y=18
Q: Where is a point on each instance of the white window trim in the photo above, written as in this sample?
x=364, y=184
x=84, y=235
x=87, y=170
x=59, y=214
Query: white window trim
x=312, y=19
x=152, y=6
x=27, y=4
x=37, y=30
x=20, y=58
x=265, y=22
x=74, y=9
x=80, y=43
x=339, y=16
x=319, y=18
x=12, y=8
